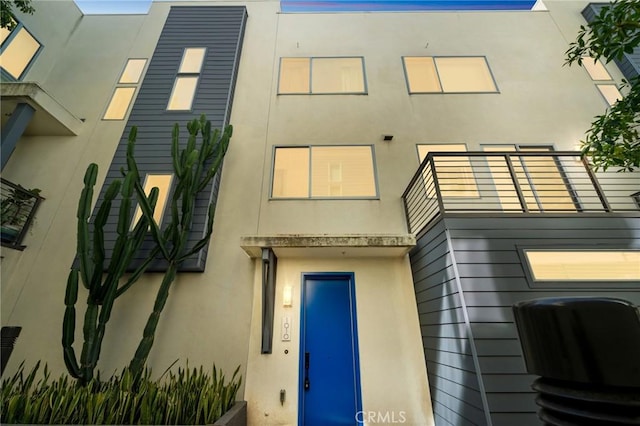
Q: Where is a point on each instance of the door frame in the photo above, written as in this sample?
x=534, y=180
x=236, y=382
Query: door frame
x=350, y=277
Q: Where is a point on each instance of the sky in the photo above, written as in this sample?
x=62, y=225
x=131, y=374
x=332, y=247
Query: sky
x=142, y=6
x=92, y=7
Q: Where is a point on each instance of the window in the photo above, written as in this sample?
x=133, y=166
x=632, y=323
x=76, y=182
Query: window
x=541, y=180
x=610, y=92
x=122, y=96
x=119, y=104
x=455, y=174
x=19, y=48
x=448, y=75
x=583, y=265
x=598, y=72
x=324, y=172
x=184, y=87
x=595, y=69
x=132, y=71
x=163, y=183
x=322, y=76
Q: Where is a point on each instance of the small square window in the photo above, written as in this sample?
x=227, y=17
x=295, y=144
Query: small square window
x=4, y=33
x=132, y=71
x=595, y=69
x=610, y=93
x=321, y=76
x=342, y=171
x=291, y=173
x=337, y=75
x=465, y=75
x=294, y=75
x=183, y=93
x=326, y=171
x=422, y=75
x=449, y=75
x=119, y=104
x=163, y=183
x=192, y=60
x=16, y=57
x=455, y=174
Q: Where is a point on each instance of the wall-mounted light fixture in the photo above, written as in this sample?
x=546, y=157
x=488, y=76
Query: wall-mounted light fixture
x=387, y=137
x=287, y=296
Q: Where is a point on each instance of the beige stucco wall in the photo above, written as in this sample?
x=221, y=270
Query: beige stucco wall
x=82, y=79
x=392, y=365
x=540, y=101
x=215, y=316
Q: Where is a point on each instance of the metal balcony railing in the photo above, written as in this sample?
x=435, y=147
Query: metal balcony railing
x=532, y=182
x=17, y=210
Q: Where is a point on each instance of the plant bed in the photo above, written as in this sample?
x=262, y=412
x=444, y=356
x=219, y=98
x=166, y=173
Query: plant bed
x=187, y=397
x=236, y=416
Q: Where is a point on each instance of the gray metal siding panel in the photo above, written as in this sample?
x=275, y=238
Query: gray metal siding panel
x=493, y=279
x=511, y=419
x=220, y=30
x=453, y=380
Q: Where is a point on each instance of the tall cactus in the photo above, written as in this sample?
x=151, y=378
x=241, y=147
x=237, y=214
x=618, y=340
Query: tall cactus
x=194, y=167
x=103, y=288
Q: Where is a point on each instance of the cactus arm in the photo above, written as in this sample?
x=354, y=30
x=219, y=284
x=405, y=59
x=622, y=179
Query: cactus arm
x=218, y=151
x=138, y=272
x=204, y=240
x=193, y=175
x=98, y=233
x=69, y=325
x=147, y=210
x=89, y=334
x=131, y=162
x=84, y=211
x=144, y=348
x=175, y=149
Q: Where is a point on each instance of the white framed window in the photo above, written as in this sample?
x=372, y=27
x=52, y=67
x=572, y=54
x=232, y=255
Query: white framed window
x=324, y=172
x=186, y=83
x=455, y=174
x=582, y=265
x=125, y=90
x=448, y=74
x=18, y=49
x=340, y=75
x=163, y=183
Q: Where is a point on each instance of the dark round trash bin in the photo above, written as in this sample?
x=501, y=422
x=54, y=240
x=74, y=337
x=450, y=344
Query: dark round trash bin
x=587, y=352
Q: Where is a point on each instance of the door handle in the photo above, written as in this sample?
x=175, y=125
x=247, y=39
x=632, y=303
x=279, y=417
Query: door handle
x=307, y=384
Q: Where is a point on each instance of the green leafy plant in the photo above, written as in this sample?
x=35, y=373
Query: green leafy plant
x=7, y=19
x=614, y=137
x=194, y=166
x=188, y=396
x=103, y=288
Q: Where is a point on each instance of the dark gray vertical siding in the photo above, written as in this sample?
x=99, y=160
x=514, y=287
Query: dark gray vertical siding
x=493, y=279
x=453, y=380
x=630, y=63
x=219, y=29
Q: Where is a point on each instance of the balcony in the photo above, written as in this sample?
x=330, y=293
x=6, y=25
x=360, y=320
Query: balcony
x=18, y=207
x=514, y=183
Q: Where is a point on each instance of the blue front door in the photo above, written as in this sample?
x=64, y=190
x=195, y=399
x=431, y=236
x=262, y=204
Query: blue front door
x=329, y=371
